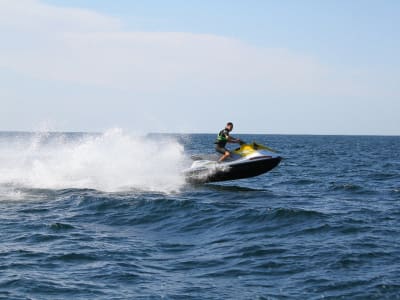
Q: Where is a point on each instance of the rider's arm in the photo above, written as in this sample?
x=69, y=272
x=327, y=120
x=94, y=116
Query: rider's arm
x=231, y=139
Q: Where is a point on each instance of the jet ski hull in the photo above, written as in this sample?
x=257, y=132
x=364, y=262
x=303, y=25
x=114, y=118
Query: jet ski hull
x=233, y=171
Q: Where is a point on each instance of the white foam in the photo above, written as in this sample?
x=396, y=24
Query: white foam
x=113, y=161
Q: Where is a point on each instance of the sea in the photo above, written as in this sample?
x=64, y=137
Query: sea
x=109, y=216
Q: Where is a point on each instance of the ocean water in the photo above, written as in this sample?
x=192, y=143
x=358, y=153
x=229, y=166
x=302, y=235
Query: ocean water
x=109, y=216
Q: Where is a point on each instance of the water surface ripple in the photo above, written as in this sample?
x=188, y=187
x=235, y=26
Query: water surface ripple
x=324, y=224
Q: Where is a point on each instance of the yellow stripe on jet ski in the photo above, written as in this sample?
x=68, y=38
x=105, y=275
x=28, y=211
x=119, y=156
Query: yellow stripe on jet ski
x=247, y=149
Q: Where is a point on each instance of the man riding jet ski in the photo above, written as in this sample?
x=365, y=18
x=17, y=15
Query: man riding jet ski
x=223, y=138
x=246, y=161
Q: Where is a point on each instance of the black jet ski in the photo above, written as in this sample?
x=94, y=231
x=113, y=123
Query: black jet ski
x=248, y=160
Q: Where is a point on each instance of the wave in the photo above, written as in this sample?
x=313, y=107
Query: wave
x=112, y=161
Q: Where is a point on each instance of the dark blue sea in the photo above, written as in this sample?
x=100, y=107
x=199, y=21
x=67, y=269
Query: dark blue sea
x=109, y=216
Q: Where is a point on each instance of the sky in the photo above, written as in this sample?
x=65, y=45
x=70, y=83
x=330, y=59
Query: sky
x=271, y=67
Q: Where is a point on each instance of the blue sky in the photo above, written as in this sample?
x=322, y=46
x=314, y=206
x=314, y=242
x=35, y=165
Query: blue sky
x=313, y=67
x=358, y=32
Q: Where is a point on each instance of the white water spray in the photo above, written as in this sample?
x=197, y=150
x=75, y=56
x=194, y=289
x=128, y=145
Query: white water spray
x=113, y=161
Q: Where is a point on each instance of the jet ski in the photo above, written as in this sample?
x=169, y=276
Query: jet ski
x=248, y=160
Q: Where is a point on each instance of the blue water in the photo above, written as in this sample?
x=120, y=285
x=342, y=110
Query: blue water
x=324, y=224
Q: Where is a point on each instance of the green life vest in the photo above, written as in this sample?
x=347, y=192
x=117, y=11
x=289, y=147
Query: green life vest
x=221, y=138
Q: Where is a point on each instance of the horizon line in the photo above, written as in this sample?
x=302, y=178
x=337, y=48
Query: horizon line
x=200, y=133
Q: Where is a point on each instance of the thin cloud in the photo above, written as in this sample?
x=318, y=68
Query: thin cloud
x=145, y=80
x=85, y=47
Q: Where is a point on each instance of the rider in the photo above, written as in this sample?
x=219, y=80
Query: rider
x=223, y=138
